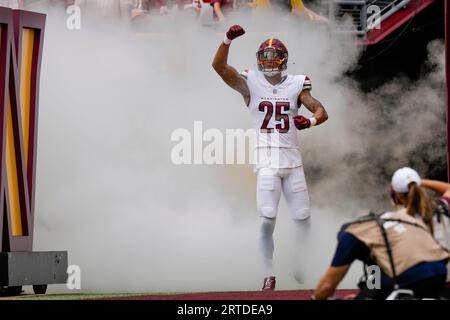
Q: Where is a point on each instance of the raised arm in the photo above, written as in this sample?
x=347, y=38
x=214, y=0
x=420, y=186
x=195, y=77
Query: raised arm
x=227, y=72
x=443, y=188
x=313, y=105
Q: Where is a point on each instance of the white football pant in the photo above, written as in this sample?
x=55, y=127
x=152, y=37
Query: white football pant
x=270, y=183
x=291, y=181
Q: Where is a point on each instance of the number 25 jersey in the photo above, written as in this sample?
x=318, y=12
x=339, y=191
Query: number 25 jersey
x=273, y=108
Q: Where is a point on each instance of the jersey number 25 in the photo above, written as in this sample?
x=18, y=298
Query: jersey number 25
x=283, y=118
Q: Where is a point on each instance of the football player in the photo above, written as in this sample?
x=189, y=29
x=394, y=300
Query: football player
x=273, y=99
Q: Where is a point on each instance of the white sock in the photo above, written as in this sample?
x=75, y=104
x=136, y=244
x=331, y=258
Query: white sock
x=303, y=228
x=266, y=244
x=302, y=233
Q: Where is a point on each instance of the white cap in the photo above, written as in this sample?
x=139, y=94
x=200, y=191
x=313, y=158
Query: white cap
x=403, y=177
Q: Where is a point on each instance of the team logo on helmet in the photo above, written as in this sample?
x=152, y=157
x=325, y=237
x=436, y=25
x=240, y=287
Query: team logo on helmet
x=272, y=57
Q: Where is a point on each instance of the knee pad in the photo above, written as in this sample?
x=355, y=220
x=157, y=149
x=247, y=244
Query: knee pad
x=302, y=213
x=268, y=223
x=268, y=212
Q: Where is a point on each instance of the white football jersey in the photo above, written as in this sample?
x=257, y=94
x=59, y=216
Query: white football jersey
x=273, y=108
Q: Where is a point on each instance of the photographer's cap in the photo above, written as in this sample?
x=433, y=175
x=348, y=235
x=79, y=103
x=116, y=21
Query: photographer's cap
x=403, y=177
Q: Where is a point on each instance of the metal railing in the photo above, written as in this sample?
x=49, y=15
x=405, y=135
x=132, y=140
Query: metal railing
x=365, y=14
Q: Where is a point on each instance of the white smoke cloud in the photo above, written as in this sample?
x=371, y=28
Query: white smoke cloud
x=402, y=123
x=106, y=188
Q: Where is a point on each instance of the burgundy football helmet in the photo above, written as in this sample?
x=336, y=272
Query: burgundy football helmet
x=272, y=57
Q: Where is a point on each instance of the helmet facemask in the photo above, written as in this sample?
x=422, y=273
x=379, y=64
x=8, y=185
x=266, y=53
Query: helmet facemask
x=271, y=61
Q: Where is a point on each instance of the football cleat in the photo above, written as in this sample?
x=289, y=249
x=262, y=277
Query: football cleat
x=269, y=284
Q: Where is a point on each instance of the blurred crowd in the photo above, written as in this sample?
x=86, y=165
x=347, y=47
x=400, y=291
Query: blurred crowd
x=216, y=10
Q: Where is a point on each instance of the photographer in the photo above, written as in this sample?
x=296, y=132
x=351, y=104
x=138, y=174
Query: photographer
x=385, y=240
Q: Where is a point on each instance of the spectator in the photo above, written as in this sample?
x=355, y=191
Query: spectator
x=299, y=9
x=145, y=6
x=295, y=7
x=195, y=5
x=221, y=7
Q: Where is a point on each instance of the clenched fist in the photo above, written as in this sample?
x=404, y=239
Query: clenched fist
x=234, y=32
x=301, y=122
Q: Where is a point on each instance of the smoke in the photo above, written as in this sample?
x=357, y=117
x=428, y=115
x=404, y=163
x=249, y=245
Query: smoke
x=112, y=93
x=402, y=123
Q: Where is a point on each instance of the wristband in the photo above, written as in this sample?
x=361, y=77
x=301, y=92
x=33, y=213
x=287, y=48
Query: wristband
x=226, y=40
x=313, y=121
